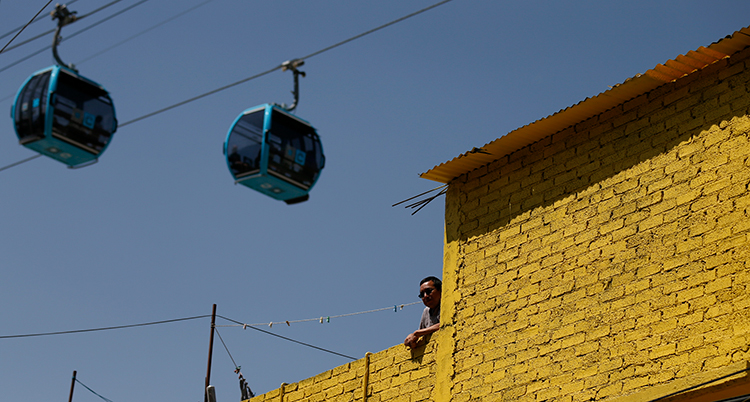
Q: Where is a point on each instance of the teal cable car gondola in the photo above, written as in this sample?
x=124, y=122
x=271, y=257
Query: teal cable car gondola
x=270, y=150
x=63, y=115
x=274, y=152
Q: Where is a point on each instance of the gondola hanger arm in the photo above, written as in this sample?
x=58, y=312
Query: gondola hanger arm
x=292, y=65
x=63, y=17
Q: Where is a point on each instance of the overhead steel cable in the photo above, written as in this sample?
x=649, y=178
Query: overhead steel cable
x=280, y=66
x=78, y=331
x=24, y=27
x=20, y=162
x=199, y=97
x=374, y=29
x=174, y=17
x=36, y=19
x=290, y=339
x=170, y=19
x=76, y=33
x=43, y=34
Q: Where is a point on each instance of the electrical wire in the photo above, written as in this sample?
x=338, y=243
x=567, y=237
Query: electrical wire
x=92, y=391
x=226, y=348
x=321, y=319
x=77, y=32
x=77, y=331
x=280, y=66
x=290, y=339
x=24, y=27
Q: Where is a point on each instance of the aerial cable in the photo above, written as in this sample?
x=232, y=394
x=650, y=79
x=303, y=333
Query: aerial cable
x=19, y=162
x=170, y=19
x=281, y=66
x=374, y=29
x=242, y=81
x=104, y=328
x=24, y=27
x=198, y=97
x=37, y=18
x=118, y=43
x=43, y=34
x=291, y=340
x=78, y=32
x=322, y=319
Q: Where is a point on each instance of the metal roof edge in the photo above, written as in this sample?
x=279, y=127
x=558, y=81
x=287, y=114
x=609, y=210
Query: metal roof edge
x=670, y=71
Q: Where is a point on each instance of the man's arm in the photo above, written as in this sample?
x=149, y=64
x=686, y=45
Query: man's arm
x=413, y=338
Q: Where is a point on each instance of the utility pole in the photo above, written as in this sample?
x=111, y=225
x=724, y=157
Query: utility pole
x=72, y=385
x=210, y=353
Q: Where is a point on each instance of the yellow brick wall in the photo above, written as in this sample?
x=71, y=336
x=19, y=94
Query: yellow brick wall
x=610, y=258
x=395, y=374
x=607, y=262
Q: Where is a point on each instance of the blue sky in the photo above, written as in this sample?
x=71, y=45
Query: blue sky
x=157, y=230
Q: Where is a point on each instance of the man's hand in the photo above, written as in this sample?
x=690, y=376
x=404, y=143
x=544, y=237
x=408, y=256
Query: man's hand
x=412, y=340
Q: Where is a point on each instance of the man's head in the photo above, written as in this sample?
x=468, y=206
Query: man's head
x=430, y=289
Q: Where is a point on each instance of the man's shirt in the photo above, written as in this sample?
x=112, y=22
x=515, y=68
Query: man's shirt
x=430, y=317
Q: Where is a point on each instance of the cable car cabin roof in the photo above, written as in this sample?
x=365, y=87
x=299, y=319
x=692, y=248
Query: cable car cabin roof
x=274, y=152
x=63, y=115
x=681, y=66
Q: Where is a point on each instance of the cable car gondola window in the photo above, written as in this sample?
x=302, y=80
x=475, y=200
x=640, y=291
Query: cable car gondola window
x=293, y=150
x=83, y=114
x=244, y=145
x=30, y=116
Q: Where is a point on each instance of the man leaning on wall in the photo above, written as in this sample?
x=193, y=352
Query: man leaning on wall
x=429, y=291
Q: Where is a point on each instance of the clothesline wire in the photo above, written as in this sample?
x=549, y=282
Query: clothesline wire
x=271, y=324
x=290, y=339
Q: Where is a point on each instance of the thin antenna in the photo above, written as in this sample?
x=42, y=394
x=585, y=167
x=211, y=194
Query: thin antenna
x=422, y=203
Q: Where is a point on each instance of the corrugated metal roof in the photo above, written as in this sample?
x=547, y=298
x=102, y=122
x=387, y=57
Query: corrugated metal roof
x=681, y=66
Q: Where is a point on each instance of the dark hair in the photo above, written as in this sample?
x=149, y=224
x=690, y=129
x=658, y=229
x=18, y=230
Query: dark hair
x=435, y=281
